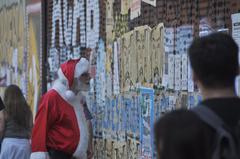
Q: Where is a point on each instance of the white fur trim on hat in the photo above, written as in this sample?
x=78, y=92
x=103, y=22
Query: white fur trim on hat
x=62, y=78
x=81, y=67
x=69, y=95
x=62, y=89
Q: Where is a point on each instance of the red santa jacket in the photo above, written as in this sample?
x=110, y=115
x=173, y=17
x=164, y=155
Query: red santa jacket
x=60, y=124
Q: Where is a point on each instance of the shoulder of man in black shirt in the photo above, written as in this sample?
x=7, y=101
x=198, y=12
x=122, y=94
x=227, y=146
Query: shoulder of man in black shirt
x=1, y=104
x=228, y=109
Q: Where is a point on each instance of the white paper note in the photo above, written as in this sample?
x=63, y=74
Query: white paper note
x=236, y=37
x=184, y=72
x=151, y=2
x=135, y=9
x=171, y=71
x=169, y=40
x=116, y=86
x=178, y=59
x=236, y=29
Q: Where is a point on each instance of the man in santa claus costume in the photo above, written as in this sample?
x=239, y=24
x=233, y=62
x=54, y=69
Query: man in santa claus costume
x=60, y=130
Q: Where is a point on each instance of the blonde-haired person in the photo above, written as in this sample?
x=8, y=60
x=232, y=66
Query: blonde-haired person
x=18, y=125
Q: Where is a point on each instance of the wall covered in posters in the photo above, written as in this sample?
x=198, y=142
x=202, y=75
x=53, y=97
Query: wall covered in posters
x=72, y=26
x=20, y=47
x=139, y=78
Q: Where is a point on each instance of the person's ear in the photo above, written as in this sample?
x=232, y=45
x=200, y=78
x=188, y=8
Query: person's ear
x=194, y=77
x=196, y=81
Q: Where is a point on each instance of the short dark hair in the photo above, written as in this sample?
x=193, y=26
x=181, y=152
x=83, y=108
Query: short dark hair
x=181, y=134
x=214, y=60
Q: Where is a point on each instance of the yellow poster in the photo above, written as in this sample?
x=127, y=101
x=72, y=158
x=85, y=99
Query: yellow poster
x=125, y=6
x=157, y=53
x=34, y=54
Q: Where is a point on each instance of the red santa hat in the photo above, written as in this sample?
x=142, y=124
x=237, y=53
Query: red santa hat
x=72, y=69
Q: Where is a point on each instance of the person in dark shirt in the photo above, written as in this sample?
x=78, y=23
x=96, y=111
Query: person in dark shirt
x=18, y=125
x=181, y=135
x=214, y=62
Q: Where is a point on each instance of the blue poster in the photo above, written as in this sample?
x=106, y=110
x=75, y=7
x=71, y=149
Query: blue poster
x=122, y=121
x=147, y=122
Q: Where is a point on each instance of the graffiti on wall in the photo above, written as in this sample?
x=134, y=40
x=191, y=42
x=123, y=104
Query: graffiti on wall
x=12, y=44
x=20, y=47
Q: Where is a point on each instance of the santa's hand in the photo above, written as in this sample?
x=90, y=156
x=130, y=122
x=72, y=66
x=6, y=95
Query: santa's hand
x=89, y=154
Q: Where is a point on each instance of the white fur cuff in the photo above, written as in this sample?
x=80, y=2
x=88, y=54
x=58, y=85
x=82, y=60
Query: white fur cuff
x=39, y=155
